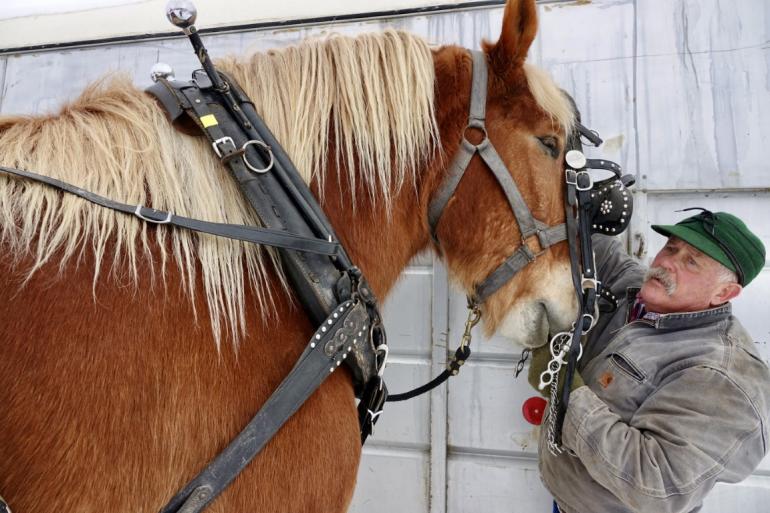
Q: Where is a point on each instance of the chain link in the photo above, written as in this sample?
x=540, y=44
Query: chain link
x=560, y=347
x=553, y=447
x=522, y=360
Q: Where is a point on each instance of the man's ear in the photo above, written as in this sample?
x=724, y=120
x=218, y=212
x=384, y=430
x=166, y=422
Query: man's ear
x=725, y=292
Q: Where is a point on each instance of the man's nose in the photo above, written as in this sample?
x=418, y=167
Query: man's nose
x=667, y=262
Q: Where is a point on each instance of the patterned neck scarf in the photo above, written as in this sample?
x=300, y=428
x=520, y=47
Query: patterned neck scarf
x=638, y=310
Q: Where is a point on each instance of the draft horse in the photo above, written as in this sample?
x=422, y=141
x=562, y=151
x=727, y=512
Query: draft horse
x=116, y=386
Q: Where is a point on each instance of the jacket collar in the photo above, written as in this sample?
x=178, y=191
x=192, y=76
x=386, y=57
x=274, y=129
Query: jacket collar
x=679, y=320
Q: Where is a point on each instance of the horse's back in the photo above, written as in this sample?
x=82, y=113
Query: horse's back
x=112, y=397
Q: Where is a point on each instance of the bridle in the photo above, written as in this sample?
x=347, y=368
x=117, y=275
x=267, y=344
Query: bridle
x=591, y=207
x=529, y=227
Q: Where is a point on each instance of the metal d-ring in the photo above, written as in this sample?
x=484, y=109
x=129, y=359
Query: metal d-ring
x=378, y=349
x=138, y=213
x=478, y=126
x=264, y=147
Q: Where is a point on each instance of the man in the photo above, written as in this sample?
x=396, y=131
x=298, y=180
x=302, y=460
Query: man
x=677, y=396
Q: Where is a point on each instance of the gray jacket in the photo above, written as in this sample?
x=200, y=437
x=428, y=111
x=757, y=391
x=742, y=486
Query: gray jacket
x=673, y=405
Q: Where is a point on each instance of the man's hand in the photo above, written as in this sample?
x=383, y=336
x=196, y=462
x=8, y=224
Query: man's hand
x=538, y=363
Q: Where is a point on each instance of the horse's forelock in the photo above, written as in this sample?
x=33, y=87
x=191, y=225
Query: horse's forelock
x=549, y=97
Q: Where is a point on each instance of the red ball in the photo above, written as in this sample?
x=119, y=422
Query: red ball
x=533, y=410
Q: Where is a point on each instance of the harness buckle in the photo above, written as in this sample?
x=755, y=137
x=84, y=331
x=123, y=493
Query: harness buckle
x=222, y=140
x=138, y=213
x=570, y=176
x=530, y=252
x=583, y=176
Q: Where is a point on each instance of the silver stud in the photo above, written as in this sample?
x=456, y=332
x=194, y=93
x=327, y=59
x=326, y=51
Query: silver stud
x=331, y=370
x=329, y=322
x=336, y=315
x=312, y=345
x=350, y=347
x=323, y=328
x=344, y=355
x=360, y=333
x=338, y=362
x=318, y=337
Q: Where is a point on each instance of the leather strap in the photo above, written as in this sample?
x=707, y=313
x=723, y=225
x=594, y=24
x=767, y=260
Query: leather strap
x=256, y=235
x=329, y=346
x=517, y=261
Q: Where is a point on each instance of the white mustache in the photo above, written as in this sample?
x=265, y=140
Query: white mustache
x=663, y=277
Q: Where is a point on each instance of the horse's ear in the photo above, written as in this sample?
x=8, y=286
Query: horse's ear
x=519, y=30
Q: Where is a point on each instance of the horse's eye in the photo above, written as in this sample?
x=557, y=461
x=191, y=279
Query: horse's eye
x=550, y=144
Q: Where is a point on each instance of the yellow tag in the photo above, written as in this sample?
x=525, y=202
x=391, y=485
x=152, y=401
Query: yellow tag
x=209, y=120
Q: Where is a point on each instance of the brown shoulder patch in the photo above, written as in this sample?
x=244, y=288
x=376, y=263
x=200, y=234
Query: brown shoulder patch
x=606, y=379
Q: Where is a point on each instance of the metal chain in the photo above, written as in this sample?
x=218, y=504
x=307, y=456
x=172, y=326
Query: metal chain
x=553, y=447
x=522, y=360
x=560, y=347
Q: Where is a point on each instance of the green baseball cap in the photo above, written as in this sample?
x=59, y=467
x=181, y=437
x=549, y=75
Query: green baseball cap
x=723, y=237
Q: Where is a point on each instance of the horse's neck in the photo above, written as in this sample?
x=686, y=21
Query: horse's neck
x=380, y=244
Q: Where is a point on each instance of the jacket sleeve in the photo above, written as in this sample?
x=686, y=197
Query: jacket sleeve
x=614, y=267
x=675, y=447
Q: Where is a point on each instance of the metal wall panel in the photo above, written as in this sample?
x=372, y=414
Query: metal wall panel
x=703, y=93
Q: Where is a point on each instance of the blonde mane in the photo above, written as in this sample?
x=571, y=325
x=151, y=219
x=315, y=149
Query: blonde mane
x=372, y=95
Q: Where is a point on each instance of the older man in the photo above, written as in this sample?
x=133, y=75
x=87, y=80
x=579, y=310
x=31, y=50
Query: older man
x=677, y=396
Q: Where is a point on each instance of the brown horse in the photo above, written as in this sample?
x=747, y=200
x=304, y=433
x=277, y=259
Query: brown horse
x=114, y=387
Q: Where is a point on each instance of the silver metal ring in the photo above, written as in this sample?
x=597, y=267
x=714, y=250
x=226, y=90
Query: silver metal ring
x=478, y=126
x=264, y=147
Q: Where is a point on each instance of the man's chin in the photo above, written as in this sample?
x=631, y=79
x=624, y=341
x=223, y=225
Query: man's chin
x=654, y=296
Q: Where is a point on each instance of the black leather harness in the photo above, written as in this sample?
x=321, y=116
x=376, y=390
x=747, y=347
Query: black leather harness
x=334, y=293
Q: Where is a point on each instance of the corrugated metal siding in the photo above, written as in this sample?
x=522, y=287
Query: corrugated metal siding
x=679, y=91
